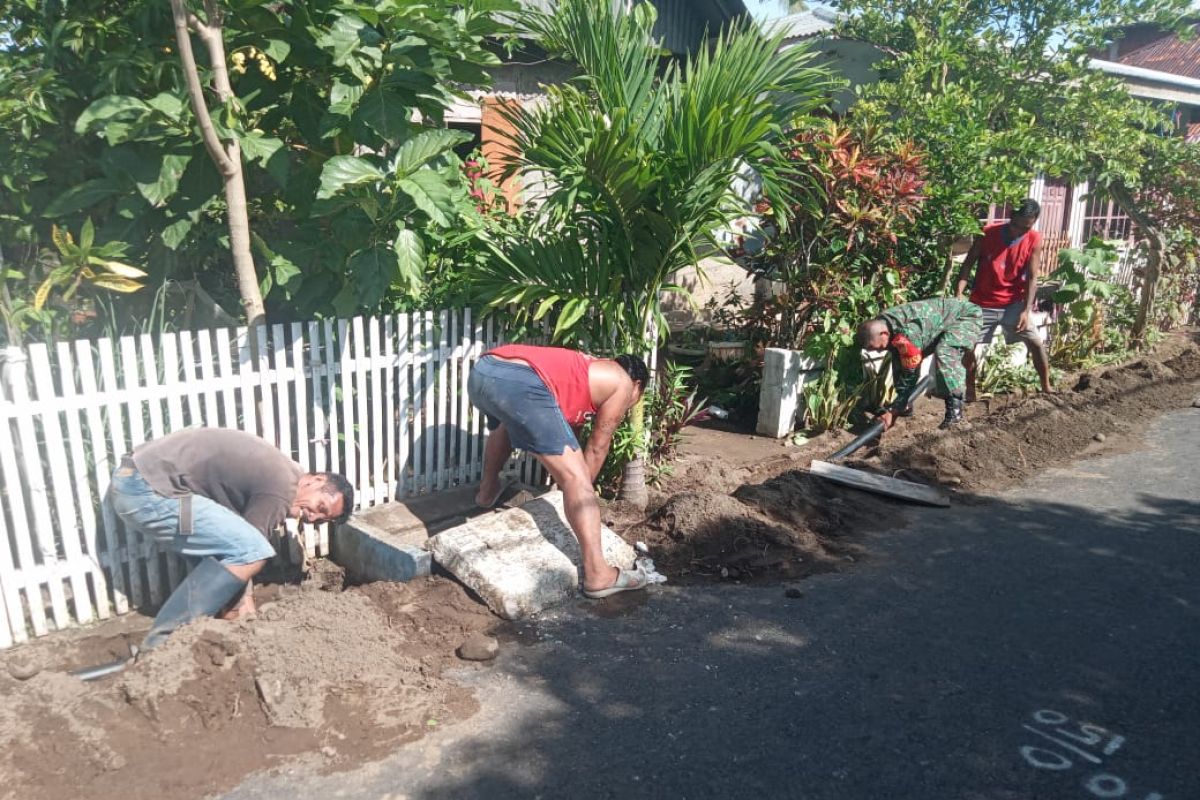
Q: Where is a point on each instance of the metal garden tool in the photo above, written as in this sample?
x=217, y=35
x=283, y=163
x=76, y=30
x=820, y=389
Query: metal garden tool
x=879, y=484
x=206, y=590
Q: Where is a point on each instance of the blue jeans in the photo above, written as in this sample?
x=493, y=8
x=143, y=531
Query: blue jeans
x=514, y=395
x=216, y=531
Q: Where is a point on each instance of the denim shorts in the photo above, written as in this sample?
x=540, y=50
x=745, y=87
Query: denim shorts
x=216, y=531
x=513, y=395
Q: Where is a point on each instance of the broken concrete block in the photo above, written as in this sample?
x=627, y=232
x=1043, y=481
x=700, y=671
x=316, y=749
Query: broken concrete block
x=522, y=560
x=384, y=543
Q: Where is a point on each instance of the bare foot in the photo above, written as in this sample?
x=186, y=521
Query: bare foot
x=245, y=607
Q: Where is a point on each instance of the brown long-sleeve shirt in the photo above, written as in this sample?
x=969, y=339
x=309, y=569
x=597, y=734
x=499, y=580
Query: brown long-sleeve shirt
x=242, y=472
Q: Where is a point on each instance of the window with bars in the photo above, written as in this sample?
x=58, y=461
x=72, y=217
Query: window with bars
x=1104, y=218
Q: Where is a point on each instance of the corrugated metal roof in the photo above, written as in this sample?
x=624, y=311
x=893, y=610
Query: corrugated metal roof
x=1168, y=54
x=804, y=24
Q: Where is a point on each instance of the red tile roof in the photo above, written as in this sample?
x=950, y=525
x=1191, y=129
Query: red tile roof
x=1168, y=54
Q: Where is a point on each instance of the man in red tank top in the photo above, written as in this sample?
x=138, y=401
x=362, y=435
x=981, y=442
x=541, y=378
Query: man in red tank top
x=534, y=399
x=1008, y=256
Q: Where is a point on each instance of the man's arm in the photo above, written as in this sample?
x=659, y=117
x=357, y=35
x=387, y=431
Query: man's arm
x=968, y=265
x=265, y=512
x=1031, y=286
x=608, y=417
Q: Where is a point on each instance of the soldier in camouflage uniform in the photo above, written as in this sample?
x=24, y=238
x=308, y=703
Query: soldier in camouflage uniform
x=947, y=328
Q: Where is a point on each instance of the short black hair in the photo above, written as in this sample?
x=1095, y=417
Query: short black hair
x=1028, y=208
x=635, y=367
x=337, y=484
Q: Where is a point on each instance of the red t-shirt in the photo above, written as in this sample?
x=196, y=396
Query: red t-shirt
x=565, y=373
x=1003, y=267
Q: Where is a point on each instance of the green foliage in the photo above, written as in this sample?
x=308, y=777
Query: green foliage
x=839, y=259
x=69, y=281
x=354, y=202
x=997, y=374
x=1086, y=293
x=669, y=408
x=996, y=92
x=636, y=158
x=829, y=401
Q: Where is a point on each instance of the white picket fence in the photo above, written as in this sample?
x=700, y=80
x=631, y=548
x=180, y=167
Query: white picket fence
x=381, y=400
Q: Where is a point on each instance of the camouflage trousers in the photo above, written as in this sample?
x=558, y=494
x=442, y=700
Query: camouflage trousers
x=950, y=376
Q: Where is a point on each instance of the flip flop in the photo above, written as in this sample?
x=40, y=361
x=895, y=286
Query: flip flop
x=504, y=487
x=628, y=580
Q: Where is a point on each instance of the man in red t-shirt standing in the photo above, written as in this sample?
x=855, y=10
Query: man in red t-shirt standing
x=1008, y=256
x=534, y=398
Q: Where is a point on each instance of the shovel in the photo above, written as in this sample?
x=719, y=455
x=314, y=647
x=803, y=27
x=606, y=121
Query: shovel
x=879, y=484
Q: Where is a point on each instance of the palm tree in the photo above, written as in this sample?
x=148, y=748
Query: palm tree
x=635, y=159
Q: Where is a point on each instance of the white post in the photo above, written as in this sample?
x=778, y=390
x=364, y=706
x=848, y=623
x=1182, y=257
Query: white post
x=1078, y=209
x=784, y=374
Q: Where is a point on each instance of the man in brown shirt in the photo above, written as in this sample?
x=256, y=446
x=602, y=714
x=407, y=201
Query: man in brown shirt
x=216, y=494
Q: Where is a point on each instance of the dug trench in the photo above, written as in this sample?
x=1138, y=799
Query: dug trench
x=344, y=676
x=763, y=517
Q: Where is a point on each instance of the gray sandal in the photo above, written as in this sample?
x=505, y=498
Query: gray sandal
x=628, y=580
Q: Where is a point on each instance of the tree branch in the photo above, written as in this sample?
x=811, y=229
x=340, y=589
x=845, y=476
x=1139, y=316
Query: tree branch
x=212, y=142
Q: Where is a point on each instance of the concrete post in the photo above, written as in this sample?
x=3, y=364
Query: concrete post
x=785, y=372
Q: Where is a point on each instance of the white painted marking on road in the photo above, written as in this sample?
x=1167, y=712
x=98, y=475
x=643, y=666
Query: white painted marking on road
x=1084, y=754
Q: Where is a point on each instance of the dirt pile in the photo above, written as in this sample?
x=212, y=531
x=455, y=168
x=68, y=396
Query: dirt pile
x=791, y=525
x=754, y=513
x=347, y=675
x=1020, y=435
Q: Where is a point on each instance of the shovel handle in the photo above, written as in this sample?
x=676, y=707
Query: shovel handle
x=876, y=428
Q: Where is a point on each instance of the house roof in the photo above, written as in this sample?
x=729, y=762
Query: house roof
x=1151, y=83
x=804, y=24
x=1167, y=54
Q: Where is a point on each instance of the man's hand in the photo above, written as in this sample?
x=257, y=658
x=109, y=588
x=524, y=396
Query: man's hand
x=888, y=418
x=1023, y=320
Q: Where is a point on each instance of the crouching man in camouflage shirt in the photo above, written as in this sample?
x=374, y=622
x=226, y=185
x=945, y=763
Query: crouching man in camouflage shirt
x=943, y=327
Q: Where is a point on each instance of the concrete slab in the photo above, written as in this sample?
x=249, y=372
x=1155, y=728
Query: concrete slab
x=388, y=542
x=384, y=543
x=521, y=560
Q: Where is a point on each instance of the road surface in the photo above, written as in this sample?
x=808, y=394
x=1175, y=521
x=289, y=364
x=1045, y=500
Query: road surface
x=1043, y=645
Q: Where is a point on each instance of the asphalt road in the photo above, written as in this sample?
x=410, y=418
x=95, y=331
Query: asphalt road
x=1042, y=645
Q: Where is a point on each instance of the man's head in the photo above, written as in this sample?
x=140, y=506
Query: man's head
x=874, y=334
x=322, y=497
x=1024, y=216
x=636, y=369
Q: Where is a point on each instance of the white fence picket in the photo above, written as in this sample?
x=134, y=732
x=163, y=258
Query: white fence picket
x=382, y=401
x=60, y=476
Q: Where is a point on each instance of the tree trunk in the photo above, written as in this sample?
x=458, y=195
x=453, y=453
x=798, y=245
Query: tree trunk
x=1157, y=245
x=226, y=155
x=946, y=245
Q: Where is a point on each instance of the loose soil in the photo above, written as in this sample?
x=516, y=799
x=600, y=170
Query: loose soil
x=749, y=510
x=345, y=674
x=350, y=673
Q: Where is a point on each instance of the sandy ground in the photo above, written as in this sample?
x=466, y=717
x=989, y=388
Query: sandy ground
x=349, y=674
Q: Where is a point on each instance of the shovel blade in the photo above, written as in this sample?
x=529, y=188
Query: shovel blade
x=880, y=484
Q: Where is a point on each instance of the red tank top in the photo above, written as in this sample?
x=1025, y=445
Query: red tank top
x=1003, y=268
x=565, y=373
